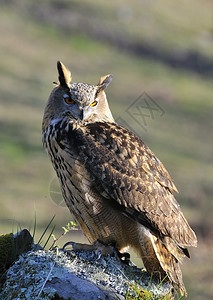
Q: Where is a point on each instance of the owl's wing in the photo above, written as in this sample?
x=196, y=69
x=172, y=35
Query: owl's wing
x=125, y=170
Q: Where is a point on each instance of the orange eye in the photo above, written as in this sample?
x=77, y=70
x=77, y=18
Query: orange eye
x=94, y=103
x=68, y=100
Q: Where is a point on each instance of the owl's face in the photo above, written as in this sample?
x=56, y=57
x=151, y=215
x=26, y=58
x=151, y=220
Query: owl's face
x=81, y=102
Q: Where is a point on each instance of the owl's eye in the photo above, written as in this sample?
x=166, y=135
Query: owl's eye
x=68, y=100
x=94, y=103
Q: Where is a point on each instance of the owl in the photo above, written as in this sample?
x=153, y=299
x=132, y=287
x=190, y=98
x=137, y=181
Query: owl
x=116, y=188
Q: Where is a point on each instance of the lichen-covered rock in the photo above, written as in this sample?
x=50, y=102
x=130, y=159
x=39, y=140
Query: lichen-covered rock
x=5, y=249
x=11, y=246
x=79, y=275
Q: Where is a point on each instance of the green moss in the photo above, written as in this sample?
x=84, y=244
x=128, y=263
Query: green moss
x=6, y=242
x=137, y=292
x=11, y=246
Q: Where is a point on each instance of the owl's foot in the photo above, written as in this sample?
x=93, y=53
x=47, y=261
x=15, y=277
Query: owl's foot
x=100, y=250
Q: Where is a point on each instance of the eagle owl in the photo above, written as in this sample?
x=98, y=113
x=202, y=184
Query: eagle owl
x=117, y=189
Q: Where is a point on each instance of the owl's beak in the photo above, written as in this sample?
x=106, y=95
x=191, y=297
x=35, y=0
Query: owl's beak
x=82, y=115
x=78, y=113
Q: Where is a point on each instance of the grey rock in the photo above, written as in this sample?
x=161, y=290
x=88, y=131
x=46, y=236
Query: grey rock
x=70, y=286
x=77, y=275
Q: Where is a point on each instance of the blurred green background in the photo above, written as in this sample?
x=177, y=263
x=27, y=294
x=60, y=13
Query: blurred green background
x=161, y=48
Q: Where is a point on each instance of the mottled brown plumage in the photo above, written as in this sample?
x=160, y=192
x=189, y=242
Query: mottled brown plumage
x=117, y=189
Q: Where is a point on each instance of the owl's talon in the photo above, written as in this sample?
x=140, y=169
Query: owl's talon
x=67, y=244
x=98, y=253
x=124, y=257
x=79, y=246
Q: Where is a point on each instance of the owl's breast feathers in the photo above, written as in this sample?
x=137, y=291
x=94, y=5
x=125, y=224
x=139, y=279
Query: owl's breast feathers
x=125, y=170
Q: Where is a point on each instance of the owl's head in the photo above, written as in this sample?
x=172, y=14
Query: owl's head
x=82, y=102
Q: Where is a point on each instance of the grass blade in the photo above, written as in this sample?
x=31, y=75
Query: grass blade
x=48, y=225
x=49, y=236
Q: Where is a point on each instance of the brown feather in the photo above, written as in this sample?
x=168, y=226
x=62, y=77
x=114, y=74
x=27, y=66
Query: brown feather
x=64, y=75
x=148, y=193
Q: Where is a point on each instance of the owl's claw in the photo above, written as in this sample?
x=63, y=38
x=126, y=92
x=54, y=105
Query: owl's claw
x=68, y=244
x=124, y=257
x=78, y=246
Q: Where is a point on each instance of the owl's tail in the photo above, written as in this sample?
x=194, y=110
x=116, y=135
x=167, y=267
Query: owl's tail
x=169, y=260
x=162, y=259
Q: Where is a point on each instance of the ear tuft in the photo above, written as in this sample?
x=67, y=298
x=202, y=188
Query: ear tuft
x=104, y=82
x=64, y=75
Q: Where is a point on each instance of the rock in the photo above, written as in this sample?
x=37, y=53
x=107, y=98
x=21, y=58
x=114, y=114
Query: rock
x=78, y=275
x=70, y=286
x=11, y=246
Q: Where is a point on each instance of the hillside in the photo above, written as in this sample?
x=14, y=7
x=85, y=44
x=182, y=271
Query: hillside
x=162, y=50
